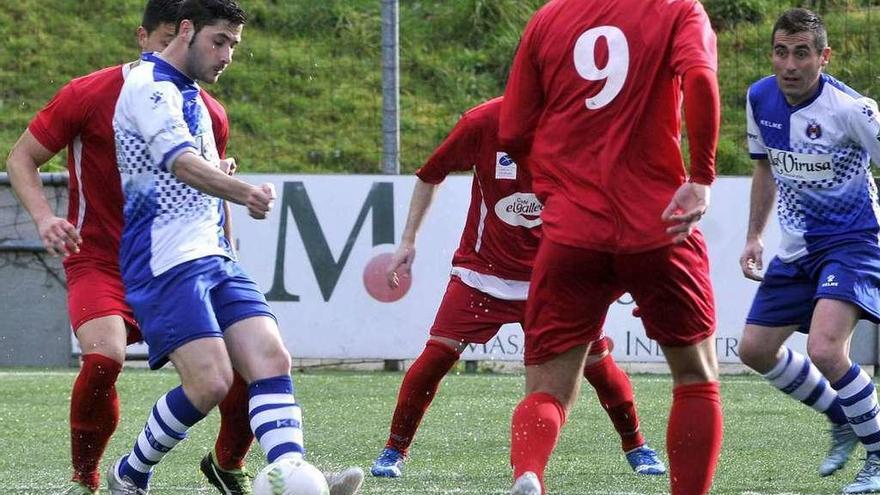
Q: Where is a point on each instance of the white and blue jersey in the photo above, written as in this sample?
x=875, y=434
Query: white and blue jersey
x=819, y=154
x=160, y=115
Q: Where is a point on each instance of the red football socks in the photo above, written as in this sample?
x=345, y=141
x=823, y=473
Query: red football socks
x=235, y=436
x=693, y=438
x=94, y=413
x=417, y=391
x=534, y=431
x=615, y=394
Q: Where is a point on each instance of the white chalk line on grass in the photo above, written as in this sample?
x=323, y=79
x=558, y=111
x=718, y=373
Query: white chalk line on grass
x=29, y=489
x=30, y=374
x=641, y=379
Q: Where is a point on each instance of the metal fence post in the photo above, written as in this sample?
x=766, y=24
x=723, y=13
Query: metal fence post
x=390, y=87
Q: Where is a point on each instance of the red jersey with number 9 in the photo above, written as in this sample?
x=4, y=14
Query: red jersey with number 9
x=594, y=99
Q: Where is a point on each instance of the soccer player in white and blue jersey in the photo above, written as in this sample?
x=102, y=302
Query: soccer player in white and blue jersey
x=195, y=305
x=812, y=137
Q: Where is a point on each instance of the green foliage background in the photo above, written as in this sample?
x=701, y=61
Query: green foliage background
x=304, y=91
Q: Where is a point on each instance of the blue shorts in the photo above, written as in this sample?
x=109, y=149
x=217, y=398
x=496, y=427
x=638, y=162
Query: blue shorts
x=193, y=300
x=847, y=272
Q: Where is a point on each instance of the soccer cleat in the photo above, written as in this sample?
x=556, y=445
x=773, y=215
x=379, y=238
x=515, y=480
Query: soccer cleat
x=122, y=485
x=77, y=488
x=868, y=479
x=389, y=464
x=526, y=484
x=644, y=460
x=346, y=482
x=843, y=442
x=229, y=482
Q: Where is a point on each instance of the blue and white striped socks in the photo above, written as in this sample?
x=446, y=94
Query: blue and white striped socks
x=798, y=377
x=276, y=419
x=859, y=400
x=169, y=420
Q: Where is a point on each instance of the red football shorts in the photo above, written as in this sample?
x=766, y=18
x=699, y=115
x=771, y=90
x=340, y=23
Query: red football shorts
x=468, y=315
x=95, y=291
x=572, y=288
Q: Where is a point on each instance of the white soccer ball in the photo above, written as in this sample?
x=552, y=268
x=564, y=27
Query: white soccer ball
x=290, y=477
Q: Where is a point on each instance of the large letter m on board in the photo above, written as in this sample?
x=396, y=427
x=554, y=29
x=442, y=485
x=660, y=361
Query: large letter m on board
x=295, y=201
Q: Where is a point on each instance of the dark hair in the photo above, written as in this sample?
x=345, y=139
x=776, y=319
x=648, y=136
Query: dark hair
x=207, y=12
x=801, y=21
x=160, y=12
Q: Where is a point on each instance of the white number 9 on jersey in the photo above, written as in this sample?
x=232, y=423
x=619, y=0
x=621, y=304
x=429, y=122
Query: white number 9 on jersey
x=615, y=71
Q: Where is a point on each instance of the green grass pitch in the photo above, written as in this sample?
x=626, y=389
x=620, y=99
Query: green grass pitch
x=772, y=444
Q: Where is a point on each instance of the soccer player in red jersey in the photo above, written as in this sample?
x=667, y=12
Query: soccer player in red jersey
x=489, y=284
x=79, y=118
x=593, y=100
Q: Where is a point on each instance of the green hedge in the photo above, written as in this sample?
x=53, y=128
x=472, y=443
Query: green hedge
x=304, y=91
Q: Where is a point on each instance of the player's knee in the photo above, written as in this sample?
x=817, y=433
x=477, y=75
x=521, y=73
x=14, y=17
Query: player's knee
x=756, y=356
x=827, y=357
x=280, y=360
x=214, y=389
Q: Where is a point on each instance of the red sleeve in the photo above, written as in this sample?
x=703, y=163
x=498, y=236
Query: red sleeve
x=56, y=125
x=457, y=153
x=694, y=43
x=523, y=98
x=702, y=114
x=219, y=124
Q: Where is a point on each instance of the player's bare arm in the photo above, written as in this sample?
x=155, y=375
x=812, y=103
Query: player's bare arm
x=197, y=172
x=402, y=260
x=687, y=207
x=23, y=165
x=703, y=117
x=763, y=196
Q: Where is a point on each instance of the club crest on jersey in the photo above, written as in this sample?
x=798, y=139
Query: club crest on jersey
x=814, y=130
x=156, y=97
x=505, y=167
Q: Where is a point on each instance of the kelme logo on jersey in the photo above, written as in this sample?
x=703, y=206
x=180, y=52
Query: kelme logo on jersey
x=814, y=130
x=801, y=166
x=520, y=210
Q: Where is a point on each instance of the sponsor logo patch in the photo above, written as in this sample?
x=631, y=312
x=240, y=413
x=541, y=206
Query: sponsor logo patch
x=520, y=210
x=505, y=167
x=801, y=166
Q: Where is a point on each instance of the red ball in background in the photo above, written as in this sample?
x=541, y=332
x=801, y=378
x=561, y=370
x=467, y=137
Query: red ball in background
x=377, y=284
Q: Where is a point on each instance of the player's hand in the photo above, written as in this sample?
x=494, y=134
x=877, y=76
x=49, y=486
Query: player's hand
x=260, y=200
x=400, y=265
x=688, y=205
x=59, y=236
x=228, y=166
x=751, y=260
